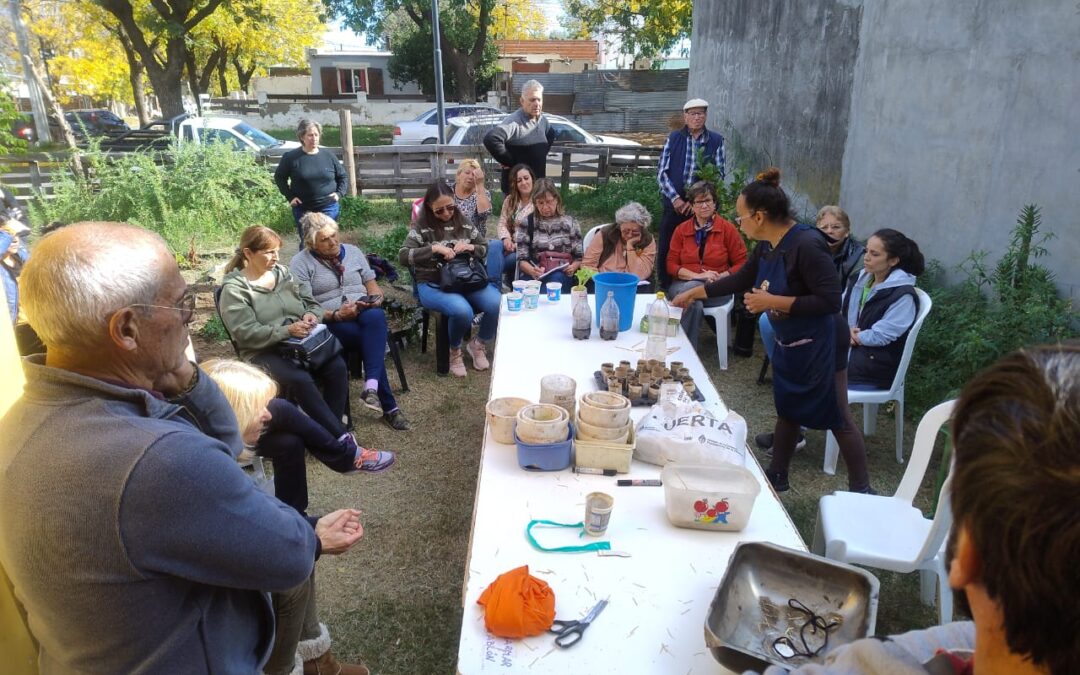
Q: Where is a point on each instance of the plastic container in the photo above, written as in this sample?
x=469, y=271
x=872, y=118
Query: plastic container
x=604, y=454
x=624, y=286
x=530, y=299
x=502, y=417
x=559, y=390
x=656, y=343
x=513, y=302
x=717, y=497
x=545, y=456
x=542, y=423
x=604, y=409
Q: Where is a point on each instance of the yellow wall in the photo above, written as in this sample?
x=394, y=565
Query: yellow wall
x=17, y=651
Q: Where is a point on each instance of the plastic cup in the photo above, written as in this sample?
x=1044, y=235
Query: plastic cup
x=531, y=299
x=598, y=507
x=554, y=291
x=513, y=302
x=520, y=285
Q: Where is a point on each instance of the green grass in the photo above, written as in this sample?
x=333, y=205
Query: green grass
x=377, y=134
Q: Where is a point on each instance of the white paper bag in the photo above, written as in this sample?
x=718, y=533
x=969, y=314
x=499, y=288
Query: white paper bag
x=679, y=429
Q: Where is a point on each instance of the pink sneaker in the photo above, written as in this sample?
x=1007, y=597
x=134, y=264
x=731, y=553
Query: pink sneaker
x=475, y=347
x=457, y=363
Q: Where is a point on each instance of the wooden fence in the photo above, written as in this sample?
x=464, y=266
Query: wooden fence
x=400, y=171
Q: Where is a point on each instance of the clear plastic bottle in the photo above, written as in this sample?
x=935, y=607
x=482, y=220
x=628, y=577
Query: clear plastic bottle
x=582, y=324
x=656, y=344
x=609, y=318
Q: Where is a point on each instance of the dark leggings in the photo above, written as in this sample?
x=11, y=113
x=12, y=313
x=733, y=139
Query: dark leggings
x=366, y=335
x=289, y=432
x=326, y=407
x=848, y=437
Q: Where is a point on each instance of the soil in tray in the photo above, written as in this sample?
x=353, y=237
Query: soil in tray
x=601, y=384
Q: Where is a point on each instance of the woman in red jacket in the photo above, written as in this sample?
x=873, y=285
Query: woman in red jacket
x=703, y=249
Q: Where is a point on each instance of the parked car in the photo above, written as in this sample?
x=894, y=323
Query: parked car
x=425, y=128
x=23, y=128
x=471, y=130
x=100, y=122
x=234, y=132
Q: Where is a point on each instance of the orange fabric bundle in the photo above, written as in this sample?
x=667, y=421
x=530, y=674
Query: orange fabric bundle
x=518, y=605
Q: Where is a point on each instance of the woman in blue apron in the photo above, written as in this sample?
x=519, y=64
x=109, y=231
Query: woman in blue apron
x=790, y=274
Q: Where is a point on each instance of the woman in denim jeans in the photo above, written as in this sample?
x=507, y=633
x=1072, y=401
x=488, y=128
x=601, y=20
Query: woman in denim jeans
x=440, y=234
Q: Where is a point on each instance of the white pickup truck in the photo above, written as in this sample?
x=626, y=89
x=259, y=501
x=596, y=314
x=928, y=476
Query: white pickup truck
x=200, y=130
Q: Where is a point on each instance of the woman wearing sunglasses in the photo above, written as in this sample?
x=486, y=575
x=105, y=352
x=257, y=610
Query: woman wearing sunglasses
x=439, y=234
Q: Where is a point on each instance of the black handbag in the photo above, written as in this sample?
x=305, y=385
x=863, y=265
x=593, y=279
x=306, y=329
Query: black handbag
x=314, y=351
x=462, y=274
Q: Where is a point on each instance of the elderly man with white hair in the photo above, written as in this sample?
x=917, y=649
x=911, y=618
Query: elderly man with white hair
x=132, y=539
x=523, y=137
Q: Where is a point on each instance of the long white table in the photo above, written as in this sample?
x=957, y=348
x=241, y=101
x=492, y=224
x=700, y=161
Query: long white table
x=659, y=597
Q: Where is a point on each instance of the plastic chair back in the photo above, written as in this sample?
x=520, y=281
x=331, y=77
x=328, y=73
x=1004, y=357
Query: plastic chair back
x=590, y=234
x=922, y=449
x=939, y=530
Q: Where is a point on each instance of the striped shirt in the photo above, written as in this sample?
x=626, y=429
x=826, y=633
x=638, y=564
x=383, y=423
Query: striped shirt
x=560, y=234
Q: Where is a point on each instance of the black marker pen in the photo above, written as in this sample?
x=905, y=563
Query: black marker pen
x=649, y=482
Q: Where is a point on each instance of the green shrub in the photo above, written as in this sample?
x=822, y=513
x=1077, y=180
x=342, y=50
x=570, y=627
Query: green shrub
x=376, y=134
x=194, y=196
x=360, y=213
x=606, y=198
x=387, y=244
x=987, y=315
x=214, y=329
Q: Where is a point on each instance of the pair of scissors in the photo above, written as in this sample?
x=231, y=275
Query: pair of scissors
x=569, y=633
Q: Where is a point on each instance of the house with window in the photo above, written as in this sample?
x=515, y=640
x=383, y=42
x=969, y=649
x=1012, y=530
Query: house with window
x=344, y=72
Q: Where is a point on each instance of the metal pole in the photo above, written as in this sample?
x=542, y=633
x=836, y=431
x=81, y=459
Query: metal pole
x=41, y=119
x=440, y=100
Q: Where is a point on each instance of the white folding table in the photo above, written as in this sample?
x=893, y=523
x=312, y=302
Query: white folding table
x=658, y=597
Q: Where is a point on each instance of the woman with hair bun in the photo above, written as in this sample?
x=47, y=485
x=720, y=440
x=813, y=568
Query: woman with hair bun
x=791, y=275
x=881, y=305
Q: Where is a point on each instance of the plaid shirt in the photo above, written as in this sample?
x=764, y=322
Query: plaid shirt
x=689, y=163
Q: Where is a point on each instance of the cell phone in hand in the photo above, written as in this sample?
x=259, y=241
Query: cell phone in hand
x=369, y=300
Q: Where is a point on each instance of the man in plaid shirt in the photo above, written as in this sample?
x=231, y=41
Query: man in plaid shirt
x=678, y=171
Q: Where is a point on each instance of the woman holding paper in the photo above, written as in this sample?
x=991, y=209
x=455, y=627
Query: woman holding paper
x=549, y=241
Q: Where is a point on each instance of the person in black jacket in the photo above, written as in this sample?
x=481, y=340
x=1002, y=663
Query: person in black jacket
x=880, y=306
x=310, y=177
x=790, y=274
x=523, y=137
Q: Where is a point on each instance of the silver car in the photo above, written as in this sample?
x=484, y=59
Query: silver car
x=471, y=130
x=425, y=128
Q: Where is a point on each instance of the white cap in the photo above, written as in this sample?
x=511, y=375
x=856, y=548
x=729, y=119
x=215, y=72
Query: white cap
x=695, y=103
x=15, y=227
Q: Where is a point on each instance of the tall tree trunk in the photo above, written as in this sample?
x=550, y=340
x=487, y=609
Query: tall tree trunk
x=136, y=72
x=223, y=79
x=243, y=75
x=53, y=106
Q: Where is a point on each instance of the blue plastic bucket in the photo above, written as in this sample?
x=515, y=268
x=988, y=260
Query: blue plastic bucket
x=625, y=288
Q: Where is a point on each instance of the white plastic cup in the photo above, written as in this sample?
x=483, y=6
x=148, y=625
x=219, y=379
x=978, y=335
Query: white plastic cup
x=531, y=299
x=554, y=291
x=520, y=285
x=598, y=507
x=513, y=302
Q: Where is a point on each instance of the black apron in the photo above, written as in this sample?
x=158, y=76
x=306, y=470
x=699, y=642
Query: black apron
x=804, y=356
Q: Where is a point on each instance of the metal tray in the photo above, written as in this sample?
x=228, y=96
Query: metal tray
x=750, y=609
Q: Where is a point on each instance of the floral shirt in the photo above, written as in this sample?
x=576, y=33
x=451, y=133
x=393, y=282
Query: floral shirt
x=468, y=208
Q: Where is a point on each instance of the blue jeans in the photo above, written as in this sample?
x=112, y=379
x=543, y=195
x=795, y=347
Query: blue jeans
x=461, y=308
x=561, y=277
x=500, y=264
x=332, y=210
x=366, y=335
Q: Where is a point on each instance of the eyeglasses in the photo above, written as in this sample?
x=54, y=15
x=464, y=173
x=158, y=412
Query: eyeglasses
x=703, y=202
x=449, y=208
x=186, y=307
x=695, y=113
x=739, y=219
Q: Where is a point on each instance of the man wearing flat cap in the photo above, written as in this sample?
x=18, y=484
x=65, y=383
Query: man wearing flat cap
x=678, y=171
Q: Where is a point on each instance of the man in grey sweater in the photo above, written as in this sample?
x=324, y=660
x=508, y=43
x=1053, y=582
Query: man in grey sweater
x=523, y=137
x=132, y=539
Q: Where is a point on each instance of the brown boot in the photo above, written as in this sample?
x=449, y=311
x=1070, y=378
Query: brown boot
x=328, y=665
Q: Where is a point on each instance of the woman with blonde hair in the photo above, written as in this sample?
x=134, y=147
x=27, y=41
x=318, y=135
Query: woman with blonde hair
x=275, y=428
x=261, y=307
x=471, y=196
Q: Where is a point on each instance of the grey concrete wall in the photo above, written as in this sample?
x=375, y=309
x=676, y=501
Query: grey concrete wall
x=778, y=77
x=961, y=113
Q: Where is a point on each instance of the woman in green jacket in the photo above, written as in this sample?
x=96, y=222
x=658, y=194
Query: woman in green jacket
x=262, y=306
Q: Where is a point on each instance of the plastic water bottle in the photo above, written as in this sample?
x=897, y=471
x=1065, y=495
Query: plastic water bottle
x=609, y=318
x=656, y=344
x=582, y=323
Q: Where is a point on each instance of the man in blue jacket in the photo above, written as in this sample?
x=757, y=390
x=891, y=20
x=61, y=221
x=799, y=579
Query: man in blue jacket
x=678, y=171
x=133, y=541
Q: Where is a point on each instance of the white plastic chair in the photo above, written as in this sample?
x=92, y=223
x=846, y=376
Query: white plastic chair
x=888, y=532
x=721, y=314
x=871, y=399
x=589, y=236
